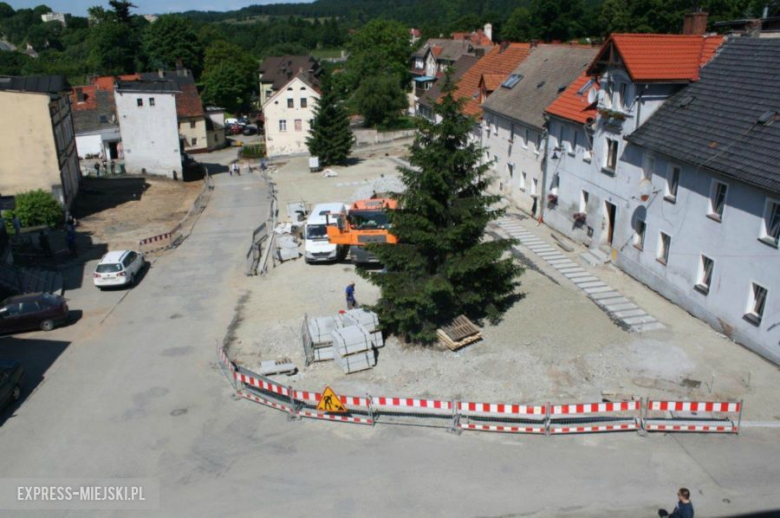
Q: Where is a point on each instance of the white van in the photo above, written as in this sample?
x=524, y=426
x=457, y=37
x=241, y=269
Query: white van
x=316, y=246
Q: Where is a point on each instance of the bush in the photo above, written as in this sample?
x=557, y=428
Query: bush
x=36, y=208
x=256, y=151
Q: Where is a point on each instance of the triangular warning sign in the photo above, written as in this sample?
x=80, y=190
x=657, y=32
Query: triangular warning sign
x=330, y=402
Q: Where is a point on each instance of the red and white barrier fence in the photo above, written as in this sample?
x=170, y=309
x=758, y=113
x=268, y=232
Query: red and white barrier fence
x=502, y=417
x=693, y=416
x=549, y=419
x=620, y=416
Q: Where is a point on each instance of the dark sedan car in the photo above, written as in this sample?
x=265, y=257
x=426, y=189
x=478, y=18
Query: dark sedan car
x=32, y=311
x=11, y=373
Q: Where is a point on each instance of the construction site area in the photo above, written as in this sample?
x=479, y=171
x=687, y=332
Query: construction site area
x=556, y=343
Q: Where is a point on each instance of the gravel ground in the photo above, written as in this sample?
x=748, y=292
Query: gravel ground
x=554, y=345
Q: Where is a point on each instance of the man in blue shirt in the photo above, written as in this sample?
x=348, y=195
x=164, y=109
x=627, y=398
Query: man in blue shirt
x=684, y=507
x=351, y=302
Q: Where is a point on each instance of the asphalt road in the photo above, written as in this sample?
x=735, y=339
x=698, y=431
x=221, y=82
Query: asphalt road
x=132, y=390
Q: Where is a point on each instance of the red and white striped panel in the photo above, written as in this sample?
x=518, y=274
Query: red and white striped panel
x=336, y=417
x=595, y=408
x=694, y=406
x=261, y=384
x=406, y=403
x=314, y=397
x=669, y=427
x=224, y=358
x=267, y=402
x=563, y=429
x=500, y=408
x=502, y=428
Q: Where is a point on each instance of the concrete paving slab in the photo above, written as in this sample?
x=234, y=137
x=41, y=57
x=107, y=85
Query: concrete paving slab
x=612, y=300
x=588, y=282
x=647, y=319
x=611, y=294
x=630, y=313
x=620, y=306
x=598, y=289
x=586, y=285
x=584, y=276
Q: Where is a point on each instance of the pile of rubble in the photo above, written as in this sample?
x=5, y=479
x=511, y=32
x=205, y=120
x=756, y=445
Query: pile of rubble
x=350, y=338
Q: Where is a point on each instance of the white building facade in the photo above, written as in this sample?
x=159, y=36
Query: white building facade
x=288, y=115
x=146, y=111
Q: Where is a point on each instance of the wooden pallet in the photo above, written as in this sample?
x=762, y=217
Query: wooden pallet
x=459, y=333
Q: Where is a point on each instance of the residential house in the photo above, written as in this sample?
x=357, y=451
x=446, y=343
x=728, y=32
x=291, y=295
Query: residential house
x=707, y=238
x=514, y=121
x=37, y=143
x=288, y=114
x=480, y=37
x=431, y=60
x=54, y=17
x=94, y=118
x=148, y=123
x=215, y=127
x=189, y=108
x=425, y=103
x=414, y=35
x=277, y=71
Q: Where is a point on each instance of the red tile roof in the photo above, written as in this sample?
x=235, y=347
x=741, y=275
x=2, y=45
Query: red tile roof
x=107, y=82
x=477, y=37
x=662, y=57
x=498, y=62
x=89, y=95
x=572, y=105
x=188, y=103
x=493, y=81
x=436, y=50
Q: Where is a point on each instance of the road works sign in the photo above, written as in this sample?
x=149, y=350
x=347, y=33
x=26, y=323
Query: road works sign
x=330, y=402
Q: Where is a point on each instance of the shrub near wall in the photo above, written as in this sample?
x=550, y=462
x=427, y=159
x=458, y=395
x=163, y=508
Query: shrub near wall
x=256, y=151
x=35, y=208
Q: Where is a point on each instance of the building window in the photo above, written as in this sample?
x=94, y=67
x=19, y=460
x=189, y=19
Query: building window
x=649, y=169
x=672, y=183
x=511, y=169
x=561, y=134
x=538, y=144
x=717, y=200
x=612, y=154
x=756, y=303
x=283, y=125
x=639, y=237
x=584, y=196
x=523, y=178
x=527, y=139
x=139, y=102
x=298, y=125
x=194, y=141
x=534, y=186
x=192, y=124
x=418, y=63
x=290, y=103
x=495, y=129
x=705, y=274
x=574, y=142
x=304, y=102
x=151, y=101
x=511, y=133
x=664, y=245
x=770, y=232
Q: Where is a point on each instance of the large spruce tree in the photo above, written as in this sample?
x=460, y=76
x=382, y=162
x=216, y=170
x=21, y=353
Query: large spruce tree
x=443, y=265
x=330, y=137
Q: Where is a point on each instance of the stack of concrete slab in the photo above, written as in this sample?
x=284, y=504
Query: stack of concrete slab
x=368, y=319
x=354, y=349
x=320, y=329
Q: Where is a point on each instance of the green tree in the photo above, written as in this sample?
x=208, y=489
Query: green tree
x=110, y=50
x=173, y=38
x=380, y=99
x=442, y=265
x=380, y=47
x=38, y=208
x=330, y=137
x=6, y=11
x=518, y=27
x=229, y=76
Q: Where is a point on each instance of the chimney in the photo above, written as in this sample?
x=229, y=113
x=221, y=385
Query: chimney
x=180, y=71
x=534, y=43
x=753, y=28
x=695, y=23
x=489, y=31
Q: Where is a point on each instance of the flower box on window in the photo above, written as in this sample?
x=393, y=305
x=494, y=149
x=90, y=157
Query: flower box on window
x=552, y=198
x=580, y=217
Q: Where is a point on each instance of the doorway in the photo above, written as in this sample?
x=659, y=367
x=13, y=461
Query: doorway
x=611, y=218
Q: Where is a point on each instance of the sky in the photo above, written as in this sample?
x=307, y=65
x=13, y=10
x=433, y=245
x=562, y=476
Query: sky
x=79, y=7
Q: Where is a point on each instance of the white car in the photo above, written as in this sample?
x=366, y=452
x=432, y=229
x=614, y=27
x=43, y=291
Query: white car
x=118, y=269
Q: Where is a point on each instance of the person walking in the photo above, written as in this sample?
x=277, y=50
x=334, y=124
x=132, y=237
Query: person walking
x=351, y=300
x=684, y=508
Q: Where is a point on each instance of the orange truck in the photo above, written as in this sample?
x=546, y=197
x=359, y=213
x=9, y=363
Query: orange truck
x=367, y=222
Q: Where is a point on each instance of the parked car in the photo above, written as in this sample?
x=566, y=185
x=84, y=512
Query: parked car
x=32, y=311
x=119, y=268
x=250, y=129
x=11, y=374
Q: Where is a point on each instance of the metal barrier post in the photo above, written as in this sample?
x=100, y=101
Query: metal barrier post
x=293, y=415
x=371, y=409
x=642, y=416
x=455, y=428
x=739, y=419
x=547, y=419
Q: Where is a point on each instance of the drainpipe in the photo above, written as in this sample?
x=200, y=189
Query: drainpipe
x=541, y=202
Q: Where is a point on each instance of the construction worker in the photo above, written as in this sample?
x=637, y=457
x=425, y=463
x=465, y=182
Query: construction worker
x=351, y=301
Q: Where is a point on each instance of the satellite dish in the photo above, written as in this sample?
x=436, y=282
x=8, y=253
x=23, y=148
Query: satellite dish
x=591, y=96
x=645, y=189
